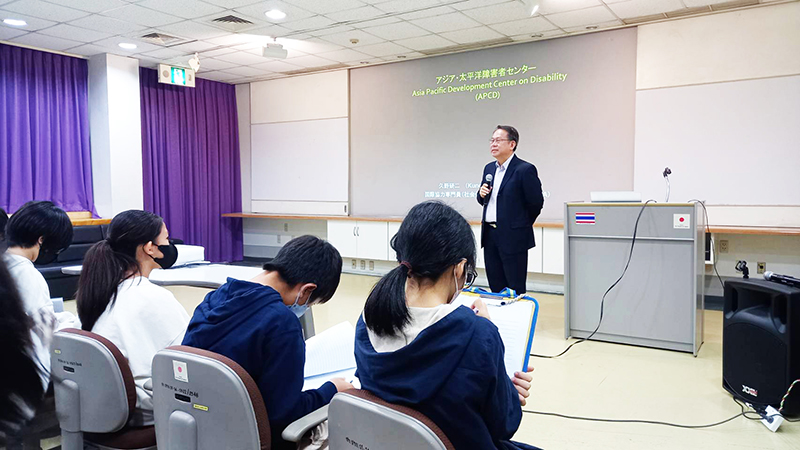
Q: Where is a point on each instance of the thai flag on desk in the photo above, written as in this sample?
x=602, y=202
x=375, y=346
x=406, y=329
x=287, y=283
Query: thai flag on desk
x=586, y=218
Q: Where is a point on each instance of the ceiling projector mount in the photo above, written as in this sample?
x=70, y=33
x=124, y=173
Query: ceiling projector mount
x=274, y=50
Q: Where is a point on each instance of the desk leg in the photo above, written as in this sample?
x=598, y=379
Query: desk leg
x=307, y=322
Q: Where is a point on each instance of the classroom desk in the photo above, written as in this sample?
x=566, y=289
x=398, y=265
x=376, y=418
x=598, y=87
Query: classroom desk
x=210, y=276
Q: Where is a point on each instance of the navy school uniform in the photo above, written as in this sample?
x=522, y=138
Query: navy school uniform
x=248, y=323
x=453, y=372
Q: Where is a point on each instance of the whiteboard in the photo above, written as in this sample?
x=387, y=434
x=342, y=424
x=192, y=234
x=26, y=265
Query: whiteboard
x=735, y=143
x=305, y=161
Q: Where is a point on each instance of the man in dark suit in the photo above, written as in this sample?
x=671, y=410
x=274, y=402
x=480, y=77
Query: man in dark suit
x=511, y=203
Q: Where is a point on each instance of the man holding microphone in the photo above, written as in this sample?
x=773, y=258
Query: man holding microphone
x=511, y=196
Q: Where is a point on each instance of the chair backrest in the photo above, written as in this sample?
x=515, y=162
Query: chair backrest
x=92, y=382
x=205, y=401
x=359, y=419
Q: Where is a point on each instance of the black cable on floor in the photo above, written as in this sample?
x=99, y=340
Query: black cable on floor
x=603, y=300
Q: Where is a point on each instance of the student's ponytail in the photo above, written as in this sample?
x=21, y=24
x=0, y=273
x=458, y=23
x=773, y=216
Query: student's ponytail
x=112, y=260
x=432, y=238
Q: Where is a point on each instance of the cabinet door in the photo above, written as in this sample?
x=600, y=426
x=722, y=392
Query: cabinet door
x=342, y=234
x=553, y=251
x=394, y=227
x=535, y=254
x=372, y=237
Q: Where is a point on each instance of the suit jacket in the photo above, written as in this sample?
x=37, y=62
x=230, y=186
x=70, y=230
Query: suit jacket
x=519, y=202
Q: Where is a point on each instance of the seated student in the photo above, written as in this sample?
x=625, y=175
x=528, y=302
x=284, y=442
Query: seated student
x=38, y=232
x=414, y=347
x=20, y=387
x=256, y=323
x=117, y=300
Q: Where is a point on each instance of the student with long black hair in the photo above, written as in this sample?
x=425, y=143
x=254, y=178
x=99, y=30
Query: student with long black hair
x=21, y=387
x=414, y=347
x=117, y=300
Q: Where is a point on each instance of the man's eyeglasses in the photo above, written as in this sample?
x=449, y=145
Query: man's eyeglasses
x=493, y=140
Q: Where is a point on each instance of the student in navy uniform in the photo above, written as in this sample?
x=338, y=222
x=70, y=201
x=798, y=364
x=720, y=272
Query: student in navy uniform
x=256, y=323
x=414, y=347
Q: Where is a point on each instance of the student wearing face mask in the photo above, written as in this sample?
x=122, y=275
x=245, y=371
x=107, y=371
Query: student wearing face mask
x=256, y=323
x=414, y=347
x=37, y=233
x=117, y=300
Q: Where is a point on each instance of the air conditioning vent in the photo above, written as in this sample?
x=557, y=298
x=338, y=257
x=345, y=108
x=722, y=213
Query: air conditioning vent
x=688, y=12
x=733, y=4
x=644, y=19
x=161, y=39
x=232, y=20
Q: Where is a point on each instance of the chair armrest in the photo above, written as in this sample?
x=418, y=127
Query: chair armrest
x=148, y=385
x=295, y=431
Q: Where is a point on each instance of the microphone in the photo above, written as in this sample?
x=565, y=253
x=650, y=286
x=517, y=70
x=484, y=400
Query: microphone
x=488, y=180
x=782, y=279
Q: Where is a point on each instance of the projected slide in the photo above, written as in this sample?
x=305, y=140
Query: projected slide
x=420, y=129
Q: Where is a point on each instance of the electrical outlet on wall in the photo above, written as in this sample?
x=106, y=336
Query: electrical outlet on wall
x=355, y=264
x=723, y=246
x=762, y=267
x=363, y=265
x=372, y=265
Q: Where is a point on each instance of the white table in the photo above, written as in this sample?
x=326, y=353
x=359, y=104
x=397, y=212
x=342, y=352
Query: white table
x=210, y=276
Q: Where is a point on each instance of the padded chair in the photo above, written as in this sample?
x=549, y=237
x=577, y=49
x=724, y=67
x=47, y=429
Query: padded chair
x=95, y=394
x=60, y=284
x=205, y=401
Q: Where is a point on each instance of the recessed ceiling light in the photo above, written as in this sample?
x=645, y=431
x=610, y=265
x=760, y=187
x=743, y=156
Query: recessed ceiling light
x=592, y=27
x=15, y=22
x=127, y=46
x=275, y=14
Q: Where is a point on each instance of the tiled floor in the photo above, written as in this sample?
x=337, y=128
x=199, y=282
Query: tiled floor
x=603, y=380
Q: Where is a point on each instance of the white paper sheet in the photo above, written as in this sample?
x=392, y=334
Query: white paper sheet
x=333, y=350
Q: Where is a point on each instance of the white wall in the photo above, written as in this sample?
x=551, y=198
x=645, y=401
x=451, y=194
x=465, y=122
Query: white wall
x=116, y=134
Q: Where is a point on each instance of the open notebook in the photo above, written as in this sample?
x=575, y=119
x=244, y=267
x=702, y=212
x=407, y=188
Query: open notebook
x=515, y=320
x=330, y=354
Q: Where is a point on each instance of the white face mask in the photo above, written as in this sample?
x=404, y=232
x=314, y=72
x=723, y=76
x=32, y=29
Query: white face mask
x=298, y=309
x=458, y=291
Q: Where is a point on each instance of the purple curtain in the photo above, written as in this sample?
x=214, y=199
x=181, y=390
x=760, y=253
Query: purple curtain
x=190, y=159
x=44, y=130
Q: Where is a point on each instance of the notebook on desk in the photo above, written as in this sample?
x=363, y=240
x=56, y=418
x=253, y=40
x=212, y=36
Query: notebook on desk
x=515, y=320
x=330, y=354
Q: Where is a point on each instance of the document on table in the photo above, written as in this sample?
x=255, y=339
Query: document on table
x=330, y=354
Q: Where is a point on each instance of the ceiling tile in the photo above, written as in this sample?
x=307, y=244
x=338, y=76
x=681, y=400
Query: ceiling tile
x=345, y=55
x=42, y=10
x=88, y=50
x=246, y=71
x=504, y=12
x=112, y=43
x=448, y=22
x=217, y=76
x=637, y=8
x=269, y=31
x=187, y=9
x=195, y=46
x=358, y=14
x=399, y=30
x=402, y=6
x=426, y=42
x=376, y=22
x=365, y=63
x=410, y=55
x=291, y=53
x=94, y=6
x=310, y=45
x=427, y=12
x=471, y=35
x=343, y=39
x=142, y=16
x=516, y=27
x=310, y=61
x=6, y=33
x=600, y=26
x=257, y=11
x=106, y=24
x=75, y=33
x=383, y=49
x=551, y=7
x=192, y=30
x=544, y=35
x=228, y=4
x=242, y=58
x=230, y=40
x=310, y=23
x=217, y=52
x=34, y=23
x=327, y=6
x=582, y=17
x=45, y=42
x=277, y=66
x=214, y=64
x=695, y=3
x=472, y=4
x=331, y=30
x=164, y=53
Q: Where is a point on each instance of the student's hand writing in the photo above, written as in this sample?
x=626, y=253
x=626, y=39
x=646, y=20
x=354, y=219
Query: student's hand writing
x=522, y=381
x=341, y=384
x=480, y=309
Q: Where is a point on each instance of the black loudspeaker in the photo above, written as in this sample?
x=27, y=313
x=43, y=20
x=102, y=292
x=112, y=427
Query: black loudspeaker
x=761, y=343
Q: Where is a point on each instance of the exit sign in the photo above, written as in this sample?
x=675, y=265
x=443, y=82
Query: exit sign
x=179, y=76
